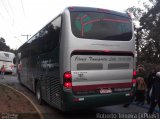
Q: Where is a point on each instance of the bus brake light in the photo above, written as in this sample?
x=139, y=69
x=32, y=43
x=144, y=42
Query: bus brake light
x=67, y=84
x=134, y=81
x=134, y=73
x=67, y=80
x=67, y=75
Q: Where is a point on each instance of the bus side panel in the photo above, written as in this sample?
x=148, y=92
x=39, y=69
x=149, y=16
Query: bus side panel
x=49, y=63
x=40, y=62
x=50, y=82
x=23, y=72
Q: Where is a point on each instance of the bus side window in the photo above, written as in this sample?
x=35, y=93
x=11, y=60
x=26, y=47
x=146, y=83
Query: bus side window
x=50, y=37
x=56, y=26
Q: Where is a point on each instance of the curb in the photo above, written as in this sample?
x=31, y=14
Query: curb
x=39, y=112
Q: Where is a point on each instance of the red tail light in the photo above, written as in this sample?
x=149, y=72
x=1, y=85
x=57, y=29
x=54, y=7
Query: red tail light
x=67, y=75
x=67, y=80
x=134, y=73
x=67, y=84
x=134, y=81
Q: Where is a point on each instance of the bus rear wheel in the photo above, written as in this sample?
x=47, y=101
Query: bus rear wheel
x=39, y=93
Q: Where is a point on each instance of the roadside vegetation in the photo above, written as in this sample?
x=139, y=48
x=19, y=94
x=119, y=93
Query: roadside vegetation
x=147, y=32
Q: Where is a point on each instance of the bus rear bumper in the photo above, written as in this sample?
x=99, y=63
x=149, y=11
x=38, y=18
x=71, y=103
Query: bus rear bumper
x=72, y=102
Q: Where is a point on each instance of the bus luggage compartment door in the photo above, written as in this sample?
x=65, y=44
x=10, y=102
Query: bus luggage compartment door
x=101, y=73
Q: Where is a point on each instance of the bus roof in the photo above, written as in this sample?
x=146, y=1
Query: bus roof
x=89, y=9
x=8, y=55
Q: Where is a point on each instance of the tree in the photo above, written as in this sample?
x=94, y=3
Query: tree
x=148, y=33
x=2, y=40
x=150, y=23
x=4, y=47
x=137, y=14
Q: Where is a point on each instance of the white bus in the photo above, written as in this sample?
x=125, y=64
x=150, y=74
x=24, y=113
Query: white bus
x=6, y=59
x=83, y=58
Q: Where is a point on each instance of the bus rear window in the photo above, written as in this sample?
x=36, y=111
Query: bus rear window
x=101, y=26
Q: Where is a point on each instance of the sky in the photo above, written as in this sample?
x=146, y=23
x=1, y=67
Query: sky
x=26, y=17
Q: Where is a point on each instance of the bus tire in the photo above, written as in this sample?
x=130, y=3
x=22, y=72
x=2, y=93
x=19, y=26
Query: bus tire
x=39, y=93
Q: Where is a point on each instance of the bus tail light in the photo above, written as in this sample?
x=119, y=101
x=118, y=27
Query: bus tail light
x=134, y=81
x=67, y=75
x=134, y=73
x=67, y=80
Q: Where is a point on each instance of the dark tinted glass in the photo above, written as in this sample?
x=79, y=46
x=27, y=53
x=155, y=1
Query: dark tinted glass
x=102, y=26
x=49, y=36
x=46, y=40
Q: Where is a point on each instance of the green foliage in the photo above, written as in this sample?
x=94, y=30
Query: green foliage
x=4, y=47
x=150, y=23
x=148, y=34
x=137, y=12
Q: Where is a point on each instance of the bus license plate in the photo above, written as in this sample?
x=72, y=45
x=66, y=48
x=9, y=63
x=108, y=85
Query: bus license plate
x=105, y=91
